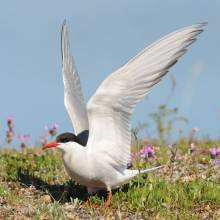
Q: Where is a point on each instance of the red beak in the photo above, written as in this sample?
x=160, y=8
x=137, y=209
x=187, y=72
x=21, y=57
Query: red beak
x=52, y=144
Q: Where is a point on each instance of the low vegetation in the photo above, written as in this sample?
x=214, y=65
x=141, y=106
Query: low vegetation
x=34, y=185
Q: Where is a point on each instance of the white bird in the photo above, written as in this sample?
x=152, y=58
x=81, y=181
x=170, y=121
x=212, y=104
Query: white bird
x=104, y=126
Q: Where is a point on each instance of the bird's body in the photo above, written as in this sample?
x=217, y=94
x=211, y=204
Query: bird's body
x=98, y=155
x=93, y=171
x=90, y=169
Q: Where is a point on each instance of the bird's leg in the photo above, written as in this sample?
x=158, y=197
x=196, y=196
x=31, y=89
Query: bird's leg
x=109, y=198
x=87, y=202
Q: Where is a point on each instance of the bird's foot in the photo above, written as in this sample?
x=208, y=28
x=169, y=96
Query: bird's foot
x=87, y=202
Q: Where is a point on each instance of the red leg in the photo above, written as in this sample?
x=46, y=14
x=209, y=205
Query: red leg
x=109, y=198
x=87, y=202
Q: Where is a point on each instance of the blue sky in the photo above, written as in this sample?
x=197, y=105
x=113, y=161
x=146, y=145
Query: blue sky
x=103, y=36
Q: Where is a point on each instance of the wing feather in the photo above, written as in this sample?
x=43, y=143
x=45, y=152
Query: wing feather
x=111, y=107
x=73, y=96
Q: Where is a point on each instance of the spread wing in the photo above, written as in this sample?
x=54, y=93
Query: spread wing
x=111, y=107
x=73, y=96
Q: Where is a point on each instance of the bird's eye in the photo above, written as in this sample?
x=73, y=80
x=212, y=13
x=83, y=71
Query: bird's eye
x=67, y=139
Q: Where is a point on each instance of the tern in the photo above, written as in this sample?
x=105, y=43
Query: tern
x=98, y=154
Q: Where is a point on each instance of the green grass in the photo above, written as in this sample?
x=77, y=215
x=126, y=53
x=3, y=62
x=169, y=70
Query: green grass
x=153, y=195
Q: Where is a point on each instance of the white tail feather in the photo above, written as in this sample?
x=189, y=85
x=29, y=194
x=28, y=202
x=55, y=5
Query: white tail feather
x=132, y=173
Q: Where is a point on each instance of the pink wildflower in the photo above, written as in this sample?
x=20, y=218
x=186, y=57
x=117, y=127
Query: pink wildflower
x=10, y=132
x=147, y=152
x=214, y=152
x=24, y=137
x=47, y=127
x=9, y=119
x=193, y=147
x=52, y=131
x=55, y=126
x=203, y=150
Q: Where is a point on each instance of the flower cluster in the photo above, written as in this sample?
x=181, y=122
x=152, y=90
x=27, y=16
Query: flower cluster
x=10, y=132
x=52, y=131
x=215, y=152
x=148, y=152
x=145, y=153
x=24, y=138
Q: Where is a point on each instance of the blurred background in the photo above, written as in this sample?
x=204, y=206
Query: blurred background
x=103, y=36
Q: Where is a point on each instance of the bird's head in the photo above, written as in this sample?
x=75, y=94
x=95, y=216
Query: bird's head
x=63, y=139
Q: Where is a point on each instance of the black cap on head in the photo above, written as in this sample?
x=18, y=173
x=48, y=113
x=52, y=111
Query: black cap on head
x=67, y=137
